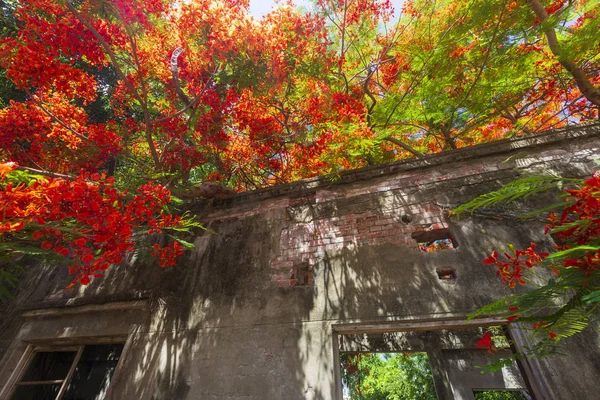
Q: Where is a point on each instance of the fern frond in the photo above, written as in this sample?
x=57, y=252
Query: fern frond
x=592, y=298
x=512, y=191
x=568, y=252
x=546, y=209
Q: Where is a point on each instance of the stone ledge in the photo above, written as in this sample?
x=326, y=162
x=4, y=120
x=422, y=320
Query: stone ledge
x=75, y=302
x=309, y=186
x=92, y=307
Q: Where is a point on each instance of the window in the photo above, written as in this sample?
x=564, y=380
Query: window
x=68, y=373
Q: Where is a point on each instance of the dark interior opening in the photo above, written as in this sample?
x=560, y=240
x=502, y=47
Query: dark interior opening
x=435, y=240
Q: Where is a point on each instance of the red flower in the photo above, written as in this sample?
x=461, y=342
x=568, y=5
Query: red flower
x=492, y=258
x=169, y=254
x=511, y=270
x=486, y=343
x=63, y=251
x=79, y=242
x=46, y=245
x=5, y=168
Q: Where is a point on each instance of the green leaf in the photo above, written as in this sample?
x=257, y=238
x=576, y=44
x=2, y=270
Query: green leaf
x=544, y=210
x=176, y=200
x=582, y=224
x=185, y=244
x=564, y=253
x=591, y=298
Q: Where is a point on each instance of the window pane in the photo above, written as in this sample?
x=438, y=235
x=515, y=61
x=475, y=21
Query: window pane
x=387, y=376
x=49, y=366
x=93, y=372
x=37, y=392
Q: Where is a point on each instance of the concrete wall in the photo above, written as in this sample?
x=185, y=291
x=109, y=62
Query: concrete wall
x=250, y=313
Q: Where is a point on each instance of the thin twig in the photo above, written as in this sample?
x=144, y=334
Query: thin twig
x=46, y=173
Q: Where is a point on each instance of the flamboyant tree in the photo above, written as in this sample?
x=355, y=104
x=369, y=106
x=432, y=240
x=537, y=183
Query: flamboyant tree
x=564, y=293
x=117, y=95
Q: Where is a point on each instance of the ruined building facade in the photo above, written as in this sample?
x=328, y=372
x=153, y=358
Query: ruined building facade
x=290, y=278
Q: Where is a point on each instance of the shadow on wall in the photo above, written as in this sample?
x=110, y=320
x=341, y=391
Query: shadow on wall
x=220, y=329
x=380, y=277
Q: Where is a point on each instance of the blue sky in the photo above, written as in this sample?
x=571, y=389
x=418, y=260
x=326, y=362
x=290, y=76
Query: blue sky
x=258, y=8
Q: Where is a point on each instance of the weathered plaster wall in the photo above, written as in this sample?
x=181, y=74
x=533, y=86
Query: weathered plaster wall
x=249, y=313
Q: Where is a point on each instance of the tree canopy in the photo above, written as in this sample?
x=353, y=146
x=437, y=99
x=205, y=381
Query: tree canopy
x=387, y=376
x=200, y=90
x=398, y=376
x=173, y=94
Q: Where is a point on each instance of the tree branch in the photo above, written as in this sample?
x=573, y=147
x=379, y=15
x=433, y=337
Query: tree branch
x=404, y=146
x=586, y=87
x=481, y=68
x=46, y=173
x=175, y=74
x=113, y=60
x=414, y=82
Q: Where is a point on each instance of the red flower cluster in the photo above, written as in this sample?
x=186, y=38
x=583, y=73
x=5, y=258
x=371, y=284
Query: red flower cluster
x=166, y=221
x=169, y=254
x=579, y=225
x=86, y=220
x=555, y=6
x=511, y=270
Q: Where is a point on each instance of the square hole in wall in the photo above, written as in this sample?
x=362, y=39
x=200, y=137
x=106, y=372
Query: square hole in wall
x=302, y=275
x=446, y=274
x=435, y=240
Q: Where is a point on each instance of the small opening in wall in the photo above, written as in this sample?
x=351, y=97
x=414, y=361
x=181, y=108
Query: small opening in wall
x=302, y=275
x=446, y=274
x=436, y=240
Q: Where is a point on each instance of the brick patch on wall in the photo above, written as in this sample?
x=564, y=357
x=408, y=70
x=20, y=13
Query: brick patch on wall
x=306, y=242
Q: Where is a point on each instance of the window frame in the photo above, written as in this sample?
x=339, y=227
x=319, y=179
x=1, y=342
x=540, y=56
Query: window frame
x=77, y=345
x=532, y=381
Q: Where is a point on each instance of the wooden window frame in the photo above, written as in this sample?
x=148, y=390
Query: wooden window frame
x=75, y=345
